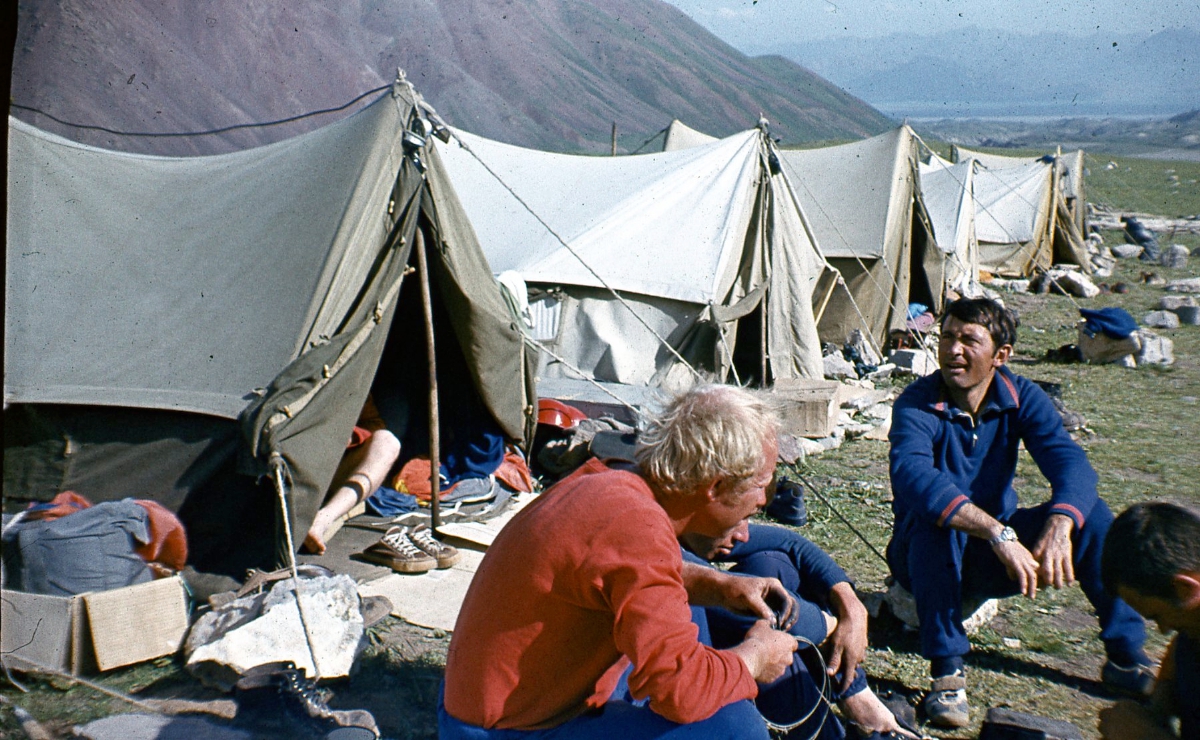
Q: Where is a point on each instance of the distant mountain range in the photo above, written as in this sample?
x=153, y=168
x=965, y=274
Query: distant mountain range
x=990, y=74
x=553, y=74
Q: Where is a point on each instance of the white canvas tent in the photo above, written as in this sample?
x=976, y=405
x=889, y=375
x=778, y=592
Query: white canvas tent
x=864, y=203
x=626, y=255
x=1023, y=220
x=681, y=136
x=949, y=193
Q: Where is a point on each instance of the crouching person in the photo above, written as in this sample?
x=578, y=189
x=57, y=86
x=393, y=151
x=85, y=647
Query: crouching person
x=586, y=587
x=1152, y=561
x=826, y=614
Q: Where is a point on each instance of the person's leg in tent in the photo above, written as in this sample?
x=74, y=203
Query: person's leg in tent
x=369, y=458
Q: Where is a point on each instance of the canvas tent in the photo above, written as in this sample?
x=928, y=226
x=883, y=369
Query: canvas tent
x=864, y=203
x=948, y=190
x=637, y=265
x=194, y=330
x=681, y=136
x=1023, y=220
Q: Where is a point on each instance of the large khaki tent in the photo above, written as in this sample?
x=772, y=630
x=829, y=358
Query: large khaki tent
x=863, y=201
x=1024, y=218
x=642, y=266
x=198, y=330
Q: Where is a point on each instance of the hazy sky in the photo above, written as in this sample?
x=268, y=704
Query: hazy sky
x=750, y=25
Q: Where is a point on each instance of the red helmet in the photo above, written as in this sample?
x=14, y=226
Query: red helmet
x=558, y=414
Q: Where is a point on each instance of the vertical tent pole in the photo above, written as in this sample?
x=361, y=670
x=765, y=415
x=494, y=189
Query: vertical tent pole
x=614, y=139
x=435, y=462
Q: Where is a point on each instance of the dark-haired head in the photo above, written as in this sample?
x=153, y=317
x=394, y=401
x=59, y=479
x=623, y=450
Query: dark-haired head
x=1148, y=545
x=998, y=320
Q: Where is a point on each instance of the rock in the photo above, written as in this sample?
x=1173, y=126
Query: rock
x=811, y=446
x=904, y=608
x=1155, y=350
x=839, y=368
x=865, y=350
x=1126, y=251
x=878, y=412
x=1186, y=285
x=157, y=727
x=1075, y=283
x=1102, y=349
x=883, y=371
x=225, y=644
x=1175, y=257
x=1175, y=302
x=864, y=398
x=790, y=449
x=913, y=362
x=859, y=383
x=1189, y=315
x=1161, y=320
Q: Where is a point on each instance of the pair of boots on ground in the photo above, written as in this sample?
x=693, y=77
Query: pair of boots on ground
x=411, y=550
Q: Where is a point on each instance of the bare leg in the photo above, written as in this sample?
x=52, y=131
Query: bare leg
x=361, y=471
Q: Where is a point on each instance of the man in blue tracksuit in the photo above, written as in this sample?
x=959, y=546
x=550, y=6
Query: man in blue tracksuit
x=958, y=532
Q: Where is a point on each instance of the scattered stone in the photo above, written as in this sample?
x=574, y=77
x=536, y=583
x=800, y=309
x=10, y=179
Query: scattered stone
x=878, y=412
x=1126, y=251
x=865, y=398
x=1175, y=257
x=859, y=383
x=1189, y=315
x=1161, y=320
x=157, y=727
x=1153, y=278
x=1186, y=285
x=857, y=341
x=904, y=608
x=230, y=640
x=1011, y=643
x=1175, y=302
x=883, y=371
x=811, y=446
x=913, y=362
x=790, y=449
x=1075, y=283
x=839, y=368
x=1155, y=350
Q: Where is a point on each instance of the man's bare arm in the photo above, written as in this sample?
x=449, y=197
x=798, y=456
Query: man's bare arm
x=1021, y=565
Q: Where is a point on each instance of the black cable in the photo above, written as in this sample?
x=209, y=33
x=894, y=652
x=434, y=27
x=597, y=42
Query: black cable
x=845, y=521
x=199, y=133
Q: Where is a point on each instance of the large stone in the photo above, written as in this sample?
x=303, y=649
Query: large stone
x=1175, y=302
x=1161, y=320
x=1155, y=350
x=1175, y=256
x=230, y=640
x=917, y=362
x=1126, y=251
x=838, y=367
x=1075, y=283
x=865, y=350
x=1189, y=315
x=1186, y=285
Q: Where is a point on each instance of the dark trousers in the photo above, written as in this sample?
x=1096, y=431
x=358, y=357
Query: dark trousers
x=942, y=567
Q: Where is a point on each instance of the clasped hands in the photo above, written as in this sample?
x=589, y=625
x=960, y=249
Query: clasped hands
x=1049, y=563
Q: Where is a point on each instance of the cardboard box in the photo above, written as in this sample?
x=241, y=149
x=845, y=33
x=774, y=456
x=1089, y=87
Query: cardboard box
x=93, y=631
x=807, y=408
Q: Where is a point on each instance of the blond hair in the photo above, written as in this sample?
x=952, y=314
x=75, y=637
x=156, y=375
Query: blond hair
x=710, y=433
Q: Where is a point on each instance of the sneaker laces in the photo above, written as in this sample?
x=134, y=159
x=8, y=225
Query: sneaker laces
x=399, y=541
x=423, y=539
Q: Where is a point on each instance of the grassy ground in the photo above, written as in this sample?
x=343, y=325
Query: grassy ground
x=1039, y=656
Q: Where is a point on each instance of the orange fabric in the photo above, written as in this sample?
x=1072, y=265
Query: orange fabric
x=588, y=572
x=514, y=473
x=168, y=540
x=414, y=478
x=67, y=502
x=369, y=422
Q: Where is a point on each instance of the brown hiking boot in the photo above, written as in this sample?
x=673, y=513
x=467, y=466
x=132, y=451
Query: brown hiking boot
x=422, y=537
x=398, y=552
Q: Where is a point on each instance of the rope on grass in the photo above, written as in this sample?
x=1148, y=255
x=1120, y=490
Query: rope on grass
x=837, y=513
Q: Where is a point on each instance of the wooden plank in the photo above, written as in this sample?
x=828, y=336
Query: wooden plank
x=807, y=408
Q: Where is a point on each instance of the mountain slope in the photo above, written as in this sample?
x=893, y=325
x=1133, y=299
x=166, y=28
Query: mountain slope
x=552, y=74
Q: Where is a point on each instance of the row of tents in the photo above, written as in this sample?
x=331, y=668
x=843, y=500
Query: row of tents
x=203, y=331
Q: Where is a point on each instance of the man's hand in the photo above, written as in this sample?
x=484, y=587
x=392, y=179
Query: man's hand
x=1021, y=565
x=846, y=645
x=767, y=652
x=1127, y=719
x=1054, y=552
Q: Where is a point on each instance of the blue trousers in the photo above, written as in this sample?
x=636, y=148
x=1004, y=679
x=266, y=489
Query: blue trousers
x=942, y=567
x=797, y=693
x=624, y=720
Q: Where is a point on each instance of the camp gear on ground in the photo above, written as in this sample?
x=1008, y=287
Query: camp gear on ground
x=422, y=537
x=1008, y=724
x=398, y=552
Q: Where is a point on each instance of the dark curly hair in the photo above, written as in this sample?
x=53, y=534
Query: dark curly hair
x=999, y=321
x=1147, y=545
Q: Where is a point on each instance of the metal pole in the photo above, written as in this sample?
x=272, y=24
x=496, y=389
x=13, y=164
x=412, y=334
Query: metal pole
x=614, y=139
x=434, y=430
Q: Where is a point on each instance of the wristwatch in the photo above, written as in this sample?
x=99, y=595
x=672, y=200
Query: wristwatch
x=1008, y=534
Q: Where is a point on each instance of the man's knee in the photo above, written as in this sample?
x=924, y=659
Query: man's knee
x=770, y=564
x=738, y=720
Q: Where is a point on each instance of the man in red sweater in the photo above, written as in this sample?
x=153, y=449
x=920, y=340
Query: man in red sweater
x=587, y=583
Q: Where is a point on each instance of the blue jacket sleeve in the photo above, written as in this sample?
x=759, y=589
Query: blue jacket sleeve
x=1061, y=460
x=918, y=487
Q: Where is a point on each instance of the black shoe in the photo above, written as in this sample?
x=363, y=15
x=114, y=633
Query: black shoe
x=279, y=698
x=788, y=505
